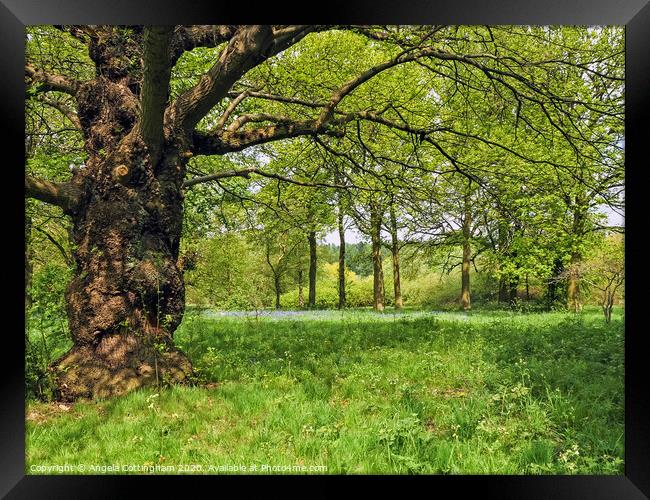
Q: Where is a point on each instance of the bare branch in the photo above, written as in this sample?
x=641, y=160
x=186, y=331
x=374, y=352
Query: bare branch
x=257, y=117
x=279, y=98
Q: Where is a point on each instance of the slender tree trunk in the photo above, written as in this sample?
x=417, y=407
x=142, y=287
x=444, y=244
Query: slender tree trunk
x=397, y=284
x=275, y=270
x=28, y=263
x=301, y=297
x=341, y=228
x=553, y=288
x=508, y=284
x=504, y=295
x=312, y=269
x=512, y=291
x=378, y=272
x=513, y=286
x=527, y=289
x=465, y=296
x=573, y=284
x=608, y=304
x=278, y=291
x=503, y=280
x=573, y=281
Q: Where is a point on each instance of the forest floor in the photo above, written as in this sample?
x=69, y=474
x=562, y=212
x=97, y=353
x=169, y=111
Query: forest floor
x=489, y=392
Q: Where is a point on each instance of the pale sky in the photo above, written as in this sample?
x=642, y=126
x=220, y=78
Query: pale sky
x=353, y=236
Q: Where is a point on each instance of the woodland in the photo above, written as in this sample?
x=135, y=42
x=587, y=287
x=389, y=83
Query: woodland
x=368, y=248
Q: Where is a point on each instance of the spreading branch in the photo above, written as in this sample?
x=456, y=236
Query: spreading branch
x=63, y=109
x=187, y=38
x=62, y=194
x=243, y=52
x=228, y=141
x=49, y=81
x=66, y=257
x=234, y=139
x=155, y=88
x=246, y=172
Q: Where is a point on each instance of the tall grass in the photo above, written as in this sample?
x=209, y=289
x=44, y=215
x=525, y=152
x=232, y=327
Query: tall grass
x=484, y=393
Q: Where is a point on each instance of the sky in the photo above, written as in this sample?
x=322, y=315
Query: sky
x=353, y=236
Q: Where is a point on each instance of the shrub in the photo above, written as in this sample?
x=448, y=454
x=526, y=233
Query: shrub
x=46, y=328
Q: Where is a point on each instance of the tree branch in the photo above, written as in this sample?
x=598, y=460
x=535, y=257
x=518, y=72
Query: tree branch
x=246, y=172
x=221, y=142
x=62, y=194
x=243, y=52
x=63, y=109
x=279, y=98
x=68, y=260
x=155, y=87
x=190, y=37
x=231, y=107
x=337, y=97
x=49, y=81
x=256, y=118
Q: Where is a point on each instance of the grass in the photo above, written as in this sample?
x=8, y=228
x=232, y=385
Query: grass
x=485, y=393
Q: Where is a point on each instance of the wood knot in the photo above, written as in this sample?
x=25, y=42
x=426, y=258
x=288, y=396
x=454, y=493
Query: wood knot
x=121, y=173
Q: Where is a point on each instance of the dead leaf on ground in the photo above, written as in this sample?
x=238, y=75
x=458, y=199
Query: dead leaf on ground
x=451, y=392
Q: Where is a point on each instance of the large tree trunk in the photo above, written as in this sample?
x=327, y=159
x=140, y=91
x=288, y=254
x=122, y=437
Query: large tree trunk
x=397, y=283
x=127, y=296
x=341, y=228
x=312, y=269
x=126, y=299
x=377, y=269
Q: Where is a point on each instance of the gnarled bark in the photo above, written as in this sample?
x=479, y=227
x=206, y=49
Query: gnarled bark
x=127, y=296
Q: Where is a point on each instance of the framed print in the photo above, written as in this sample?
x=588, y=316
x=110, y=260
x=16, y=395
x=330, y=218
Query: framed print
x=393, y=245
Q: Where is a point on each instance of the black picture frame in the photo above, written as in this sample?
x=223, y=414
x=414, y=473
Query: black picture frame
x=634, y=14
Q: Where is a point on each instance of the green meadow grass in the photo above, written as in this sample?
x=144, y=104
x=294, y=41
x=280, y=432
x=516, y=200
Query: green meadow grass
x=360, y=392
